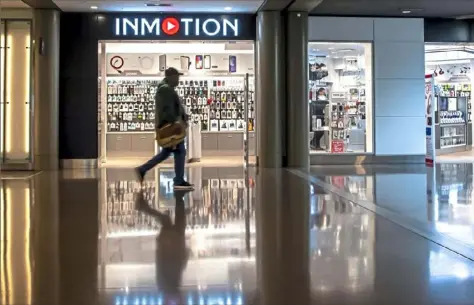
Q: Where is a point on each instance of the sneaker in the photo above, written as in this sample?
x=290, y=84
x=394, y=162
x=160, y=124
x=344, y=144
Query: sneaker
x=140, y=174
x=184, y=186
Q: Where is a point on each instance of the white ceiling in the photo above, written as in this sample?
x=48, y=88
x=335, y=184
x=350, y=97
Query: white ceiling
x=207, y=6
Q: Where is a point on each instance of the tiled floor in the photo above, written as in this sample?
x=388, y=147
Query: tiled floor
x=240, y=238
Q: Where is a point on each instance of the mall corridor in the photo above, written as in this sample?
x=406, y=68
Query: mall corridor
x=378, y=235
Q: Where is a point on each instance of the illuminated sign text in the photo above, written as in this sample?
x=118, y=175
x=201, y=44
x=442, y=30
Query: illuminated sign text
x=206, y=27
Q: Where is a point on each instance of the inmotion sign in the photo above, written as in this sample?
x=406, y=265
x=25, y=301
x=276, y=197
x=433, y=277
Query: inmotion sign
x=204, y=27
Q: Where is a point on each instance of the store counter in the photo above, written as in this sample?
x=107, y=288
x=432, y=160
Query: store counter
x=142, y=144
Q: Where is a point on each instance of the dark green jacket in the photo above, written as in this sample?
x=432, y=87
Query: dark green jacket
x=168, y=108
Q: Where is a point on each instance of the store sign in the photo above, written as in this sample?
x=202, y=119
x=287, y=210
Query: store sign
x=170, y=26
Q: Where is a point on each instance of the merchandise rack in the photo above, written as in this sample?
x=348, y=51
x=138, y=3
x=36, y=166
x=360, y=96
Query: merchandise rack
x=215, y=102
x=207, y=100
x=452, y=117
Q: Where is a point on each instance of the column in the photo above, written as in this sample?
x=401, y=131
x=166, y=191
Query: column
x=46, y=88
x=270, y=89
x=297, y=121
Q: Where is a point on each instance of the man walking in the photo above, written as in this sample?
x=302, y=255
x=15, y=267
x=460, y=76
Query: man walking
x=168, y=110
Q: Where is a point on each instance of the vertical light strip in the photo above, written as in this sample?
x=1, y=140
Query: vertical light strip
x=27, y=80
x=8, y=94
x=27, y=243
x=9, y=234
x=3, y=219
x=2, y=89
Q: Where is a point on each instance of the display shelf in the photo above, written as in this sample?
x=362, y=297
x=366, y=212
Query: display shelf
x=131, y=105
x=452, y=136
x=451, y=146
x=453, y=124
x=215, y=103
x=138, y=132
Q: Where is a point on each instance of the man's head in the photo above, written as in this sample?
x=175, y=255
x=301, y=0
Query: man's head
x=172, y=76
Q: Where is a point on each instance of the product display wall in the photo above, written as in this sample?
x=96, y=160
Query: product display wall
x=213, y=91
x=451, y=68
x=339, y=97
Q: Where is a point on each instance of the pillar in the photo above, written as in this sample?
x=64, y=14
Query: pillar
x=46, y=88
x=270, y=89
x=297, y=121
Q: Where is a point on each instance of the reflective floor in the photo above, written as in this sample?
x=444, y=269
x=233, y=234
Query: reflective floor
x=335, y=236
x=437, y=202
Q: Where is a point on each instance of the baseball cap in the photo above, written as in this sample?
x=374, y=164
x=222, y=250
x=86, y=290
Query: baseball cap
x=172, y=72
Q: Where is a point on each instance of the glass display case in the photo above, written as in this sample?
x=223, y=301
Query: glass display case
x=452, y=121
x=453, y=135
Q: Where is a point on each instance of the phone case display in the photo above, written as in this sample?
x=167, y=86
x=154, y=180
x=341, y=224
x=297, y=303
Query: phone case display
x=345, y=117
x=339, y=127
x=452, y=90
x=451, y=117
x=131, y=105
x=215, y=103
x=452, y=112
x=194, y=97
x=227, y=107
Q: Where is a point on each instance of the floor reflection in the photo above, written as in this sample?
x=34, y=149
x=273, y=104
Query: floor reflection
x=300, y=243
x=440, y=197
x=342, y=243
x=219, y=234
x=450, y=205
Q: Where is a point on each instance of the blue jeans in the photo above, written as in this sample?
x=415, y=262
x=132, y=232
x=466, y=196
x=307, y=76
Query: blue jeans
x=179, y=160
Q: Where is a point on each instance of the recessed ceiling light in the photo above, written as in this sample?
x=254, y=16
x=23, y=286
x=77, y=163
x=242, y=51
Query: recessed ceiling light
x=330, y=48
x=227, y=8
x=411, y=10
x=93, y=7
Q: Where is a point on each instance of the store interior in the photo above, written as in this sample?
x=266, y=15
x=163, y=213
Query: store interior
x=340, y=97
x=216, y=89
x=451, y=67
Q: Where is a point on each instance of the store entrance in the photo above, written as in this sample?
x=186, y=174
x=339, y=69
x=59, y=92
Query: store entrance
x=216, y=89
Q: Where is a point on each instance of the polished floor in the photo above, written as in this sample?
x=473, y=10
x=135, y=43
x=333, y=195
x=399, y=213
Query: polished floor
x=334, y=235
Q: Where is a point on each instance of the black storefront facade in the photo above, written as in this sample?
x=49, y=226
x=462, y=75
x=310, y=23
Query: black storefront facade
x=79, y=63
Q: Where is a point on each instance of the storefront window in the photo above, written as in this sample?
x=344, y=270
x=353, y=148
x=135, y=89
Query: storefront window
x=340, y=97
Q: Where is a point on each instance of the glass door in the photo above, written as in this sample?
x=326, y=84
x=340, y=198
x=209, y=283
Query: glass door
x=16, y=93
